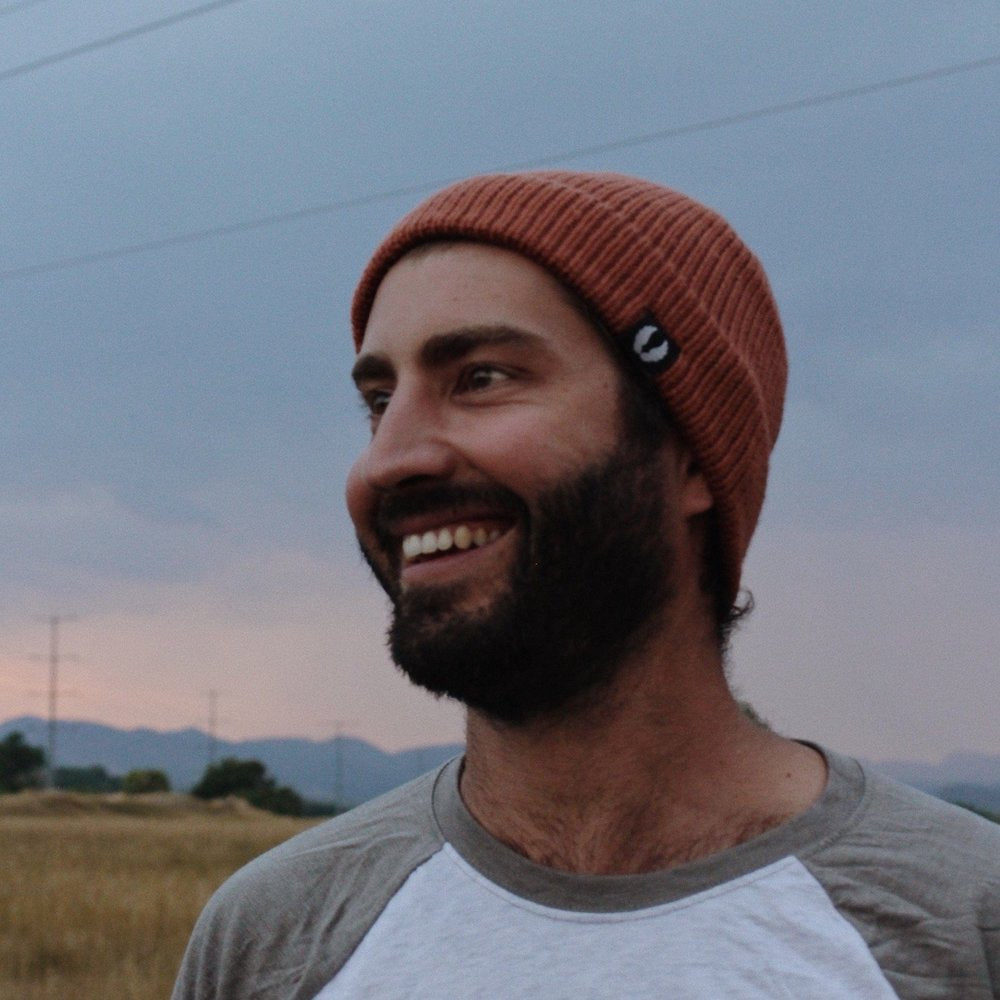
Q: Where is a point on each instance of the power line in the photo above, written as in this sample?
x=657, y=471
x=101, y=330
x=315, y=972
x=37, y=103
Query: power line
x=198, y=235
x=107, y=40
x=327, y=208
x=770, y=110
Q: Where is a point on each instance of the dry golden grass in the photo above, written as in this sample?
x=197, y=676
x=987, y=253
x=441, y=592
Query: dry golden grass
x=98, y=894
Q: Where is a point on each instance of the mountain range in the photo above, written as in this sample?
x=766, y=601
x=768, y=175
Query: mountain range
x=343, y=769
x=350, y=770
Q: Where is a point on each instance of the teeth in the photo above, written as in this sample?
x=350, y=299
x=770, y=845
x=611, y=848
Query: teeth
x=461, y=537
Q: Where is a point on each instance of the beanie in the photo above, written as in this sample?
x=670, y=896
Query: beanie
x=672, y=284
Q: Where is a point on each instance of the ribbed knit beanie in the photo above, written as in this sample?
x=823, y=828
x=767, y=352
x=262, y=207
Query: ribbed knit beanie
x=671, y=282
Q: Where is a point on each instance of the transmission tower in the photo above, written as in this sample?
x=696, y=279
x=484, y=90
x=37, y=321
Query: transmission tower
x=213, y=723
x=50, y=757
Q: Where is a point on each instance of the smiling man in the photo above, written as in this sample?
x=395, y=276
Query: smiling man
x=524, y=549
x=574, y=382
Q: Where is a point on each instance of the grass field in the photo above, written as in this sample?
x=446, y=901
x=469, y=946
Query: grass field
x=98, y=894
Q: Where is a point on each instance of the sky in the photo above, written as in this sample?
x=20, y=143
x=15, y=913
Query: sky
x=178, y=421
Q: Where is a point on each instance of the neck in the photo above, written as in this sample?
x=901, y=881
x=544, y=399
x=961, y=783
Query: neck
x=666, y=768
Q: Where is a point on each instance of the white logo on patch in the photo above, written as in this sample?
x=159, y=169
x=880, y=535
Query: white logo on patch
x=651, y=345
x=641, y=344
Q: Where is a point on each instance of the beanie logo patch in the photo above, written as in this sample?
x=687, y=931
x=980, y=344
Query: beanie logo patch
x=652, y=346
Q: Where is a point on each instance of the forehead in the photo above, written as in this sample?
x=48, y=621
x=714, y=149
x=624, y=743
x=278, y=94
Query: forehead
x=442, y=288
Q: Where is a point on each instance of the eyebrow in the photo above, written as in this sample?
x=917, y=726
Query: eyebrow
x=446, y=348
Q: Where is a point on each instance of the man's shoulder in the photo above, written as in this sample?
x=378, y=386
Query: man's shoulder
x=287, y=920
x=894, y=827
x=399, y=824
x=907, y=860
x=952, y=835
x=918, y=878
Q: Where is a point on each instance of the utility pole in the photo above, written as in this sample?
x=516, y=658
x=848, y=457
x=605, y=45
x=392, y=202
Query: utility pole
x=338, y=762
x=213, y=722
x=50, y=758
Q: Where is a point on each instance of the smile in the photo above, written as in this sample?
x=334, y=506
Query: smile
x=451, y=537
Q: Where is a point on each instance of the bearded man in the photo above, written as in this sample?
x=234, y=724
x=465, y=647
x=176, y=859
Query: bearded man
x=574, y=382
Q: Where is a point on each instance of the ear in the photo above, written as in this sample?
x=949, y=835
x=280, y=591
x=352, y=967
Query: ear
x=695, y=496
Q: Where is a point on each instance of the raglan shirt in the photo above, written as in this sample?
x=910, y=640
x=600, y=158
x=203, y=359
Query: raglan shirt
x=876, y=891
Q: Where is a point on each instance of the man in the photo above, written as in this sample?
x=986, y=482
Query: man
x=574, y=382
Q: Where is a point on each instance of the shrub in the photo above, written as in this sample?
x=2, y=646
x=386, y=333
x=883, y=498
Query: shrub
x=139, y=782
x=92, y=779
x=21, y=764
x=249, y=780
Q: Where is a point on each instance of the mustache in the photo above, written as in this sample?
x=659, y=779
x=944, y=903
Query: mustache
x=440, y=498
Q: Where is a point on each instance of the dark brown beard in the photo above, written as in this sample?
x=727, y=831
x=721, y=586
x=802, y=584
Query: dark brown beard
x=593, y=569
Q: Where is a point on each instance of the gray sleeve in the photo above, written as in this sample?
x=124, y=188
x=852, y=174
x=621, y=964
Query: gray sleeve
x=920, y=880
x=285, y=924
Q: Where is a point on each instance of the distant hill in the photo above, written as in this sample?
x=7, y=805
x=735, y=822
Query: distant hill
x=956, y=768
x=970, y=778
x=313, y=768
x=986, y=797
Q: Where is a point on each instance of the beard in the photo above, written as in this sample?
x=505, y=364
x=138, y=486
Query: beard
x=592, y=573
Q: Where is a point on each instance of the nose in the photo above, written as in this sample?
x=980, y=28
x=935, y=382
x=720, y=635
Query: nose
x=409, y=444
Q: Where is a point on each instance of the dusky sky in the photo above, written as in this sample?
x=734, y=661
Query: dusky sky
x=178, y=420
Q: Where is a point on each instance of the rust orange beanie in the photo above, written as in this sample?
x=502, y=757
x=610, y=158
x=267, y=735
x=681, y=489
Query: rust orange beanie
x=671, y=282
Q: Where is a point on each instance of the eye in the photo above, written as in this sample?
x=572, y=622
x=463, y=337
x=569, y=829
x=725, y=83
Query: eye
x=374, y=402
x=481, y=376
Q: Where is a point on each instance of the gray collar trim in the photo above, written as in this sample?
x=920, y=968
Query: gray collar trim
x=799, y=837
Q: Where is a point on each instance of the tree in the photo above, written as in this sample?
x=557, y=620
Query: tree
x=249, y=780
x=980, y=811
x=230, y=776
x=21, y=765
x=141, y=782
x=94, y=779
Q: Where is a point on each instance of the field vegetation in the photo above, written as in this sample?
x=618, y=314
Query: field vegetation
x=98, y=893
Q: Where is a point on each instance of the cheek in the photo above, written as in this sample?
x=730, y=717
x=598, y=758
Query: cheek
x=527, y=453
x=359, y=496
